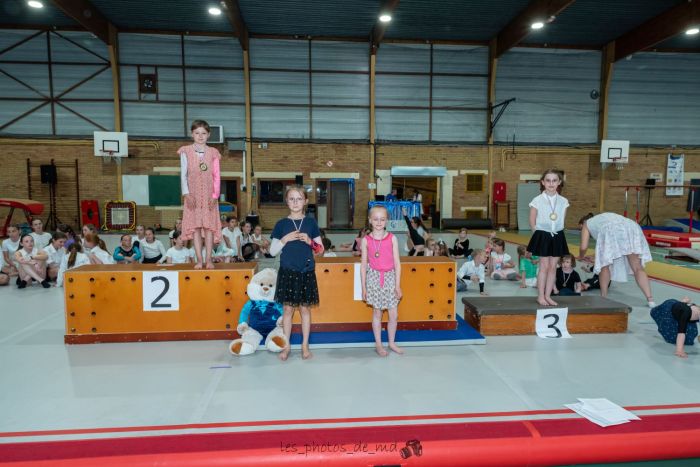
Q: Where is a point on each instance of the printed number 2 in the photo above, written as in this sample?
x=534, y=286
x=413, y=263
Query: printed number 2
x=166, y=287
x=553, y=325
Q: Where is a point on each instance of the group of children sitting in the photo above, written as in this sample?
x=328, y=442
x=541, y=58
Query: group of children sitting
x=43, y=257
x=500, y=266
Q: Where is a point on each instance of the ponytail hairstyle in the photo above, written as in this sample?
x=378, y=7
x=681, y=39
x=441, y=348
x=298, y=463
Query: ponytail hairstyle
x=95, y=239
x=66, y=229
x=73, y=251
x=585, y=218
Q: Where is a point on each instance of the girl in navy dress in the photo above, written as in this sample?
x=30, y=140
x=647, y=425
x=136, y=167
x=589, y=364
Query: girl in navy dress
x=298, y=238
x=547, y=213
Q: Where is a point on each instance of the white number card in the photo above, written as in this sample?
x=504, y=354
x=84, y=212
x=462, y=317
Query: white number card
x=551, y=323
x=161, y=291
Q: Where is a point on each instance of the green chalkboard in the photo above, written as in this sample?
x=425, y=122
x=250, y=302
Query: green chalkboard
x=164, y=190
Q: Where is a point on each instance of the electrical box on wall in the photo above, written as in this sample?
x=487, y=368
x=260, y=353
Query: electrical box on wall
x=371, y=186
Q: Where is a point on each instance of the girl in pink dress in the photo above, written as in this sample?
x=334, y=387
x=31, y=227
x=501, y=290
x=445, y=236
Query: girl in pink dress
x=200, y=178
x=381, y=278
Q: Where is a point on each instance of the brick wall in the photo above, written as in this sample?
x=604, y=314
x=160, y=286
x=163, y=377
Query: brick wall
x=97, y=180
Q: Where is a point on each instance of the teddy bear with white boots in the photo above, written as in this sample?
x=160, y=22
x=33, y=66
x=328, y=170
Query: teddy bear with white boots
x=261, y=317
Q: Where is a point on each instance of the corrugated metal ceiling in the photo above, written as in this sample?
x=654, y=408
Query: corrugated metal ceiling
x=587, y=23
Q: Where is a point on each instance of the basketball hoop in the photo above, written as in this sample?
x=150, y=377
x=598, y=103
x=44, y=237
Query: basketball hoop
x=619, y=165
x=107, y=155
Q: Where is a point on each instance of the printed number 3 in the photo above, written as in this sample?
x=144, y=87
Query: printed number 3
x=552, y=326
x=166, y=287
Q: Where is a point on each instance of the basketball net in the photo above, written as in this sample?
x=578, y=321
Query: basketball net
x=107, y=155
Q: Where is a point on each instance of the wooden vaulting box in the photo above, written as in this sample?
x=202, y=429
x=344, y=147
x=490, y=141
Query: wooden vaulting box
x=126, y=303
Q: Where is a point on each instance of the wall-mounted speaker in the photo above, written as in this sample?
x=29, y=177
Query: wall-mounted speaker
x=299, y=180
x=48, y=174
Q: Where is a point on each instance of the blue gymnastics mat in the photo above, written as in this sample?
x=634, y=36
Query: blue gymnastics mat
x=463, y=335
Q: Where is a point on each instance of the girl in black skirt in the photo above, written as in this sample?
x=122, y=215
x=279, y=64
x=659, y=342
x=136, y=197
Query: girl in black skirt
x=547, y=213
x=298, y=238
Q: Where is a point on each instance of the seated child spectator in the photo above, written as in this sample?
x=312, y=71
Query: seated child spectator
x=501, y=265
x=430, y=248
x=442, y=249
x=461, y=247
x=262, y=242
x=221, y=254
x=177, y=228
x=139, y=237
x=70, y=234
x=178, y=254
x=356, y=249
x=473, y=271
x=231, y=234
x=41, y=238
x=72, y=259
x=151, y=248
x=55, y=251
x=31, y=263
x=328, y=248
x=97, y=250
x=87, y=228
x=9, y=246
x=126, y=253
x=568, y=282
x=246, y=247
x=528, y=267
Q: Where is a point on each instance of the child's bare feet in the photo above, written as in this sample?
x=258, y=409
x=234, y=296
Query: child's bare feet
x=551, y=302
x=542, y=301
x=284, y=354
x=305, y=352
x=198, y=265
x=381, y=351
x=209, y=265
x=396, y=348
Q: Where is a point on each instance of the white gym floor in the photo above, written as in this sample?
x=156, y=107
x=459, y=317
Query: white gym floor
x=52, y=391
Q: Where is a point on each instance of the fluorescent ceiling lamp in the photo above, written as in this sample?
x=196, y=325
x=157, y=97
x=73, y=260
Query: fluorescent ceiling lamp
x=537, y=25
x=692, y=31
x=384, y=18
x=214, y=11
x=35, y=4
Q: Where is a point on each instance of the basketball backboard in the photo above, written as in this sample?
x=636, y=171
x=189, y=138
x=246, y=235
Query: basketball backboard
x=111, y=143
x=614, y=151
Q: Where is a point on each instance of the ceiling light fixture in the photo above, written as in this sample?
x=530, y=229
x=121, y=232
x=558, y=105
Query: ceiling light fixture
x=537, y=25
x=385, y=18
x=214, y=11
x=35, y=4
x=692, y=31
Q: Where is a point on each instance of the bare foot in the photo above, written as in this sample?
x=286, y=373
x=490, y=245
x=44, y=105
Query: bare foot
x=396, y=349
x=209, y=265
x=381, y=351
x=306, y=353
x=198, y=265
x=542, y=301
x=551, y=302
x=284, y=354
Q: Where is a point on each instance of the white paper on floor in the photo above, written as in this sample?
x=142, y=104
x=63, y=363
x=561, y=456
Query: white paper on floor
x=602, y=412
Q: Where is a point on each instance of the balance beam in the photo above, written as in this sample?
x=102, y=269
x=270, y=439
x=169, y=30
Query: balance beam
x=509, y=316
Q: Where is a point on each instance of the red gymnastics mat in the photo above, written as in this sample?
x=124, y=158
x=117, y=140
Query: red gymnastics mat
x=500, y=443
x=672, y=239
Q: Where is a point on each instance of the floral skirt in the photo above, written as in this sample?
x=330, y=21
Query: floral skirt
x=381, y=298
x=296, y=288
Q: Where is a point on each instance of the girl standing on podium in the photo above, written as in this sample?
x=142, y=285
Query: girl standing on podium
x=381, y=278
x=547, y=213
x=297, y=238
x=200, y=178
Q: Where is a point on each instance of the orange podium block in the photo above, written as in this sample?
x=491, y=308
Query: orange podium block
x=107, y=303
x=427, y=283
x=148, y=302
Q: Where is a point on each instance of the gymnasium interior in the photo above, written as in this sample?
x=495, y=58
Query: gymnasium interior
x=457, y=107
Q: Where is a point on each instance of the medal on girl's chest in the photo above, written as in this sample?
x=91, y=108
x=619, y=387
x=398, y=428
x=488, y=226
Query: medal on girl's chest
x=377, y=247
x=553, y=206
x=553, y=216
x=203, y=166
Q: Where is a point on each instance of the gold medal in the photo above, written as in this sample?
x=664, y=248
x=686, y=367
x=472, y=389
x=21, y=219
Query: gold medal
x=376, y=254
x=553, y=216
x=203, y=166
